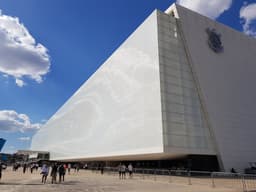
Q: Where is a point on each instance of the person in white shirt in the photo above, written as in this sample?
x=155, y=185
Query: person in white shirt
x=130, y=169
x=123, y=169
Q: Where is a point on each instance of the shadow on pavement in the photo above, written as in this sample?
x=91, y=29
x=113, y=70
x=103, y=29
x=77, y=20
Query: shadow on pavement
x=63, y=183
x=21, y=184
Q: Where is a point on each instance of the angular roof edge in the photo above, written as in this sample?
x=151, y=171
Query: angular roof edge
x=2, y=142
x=172, y=10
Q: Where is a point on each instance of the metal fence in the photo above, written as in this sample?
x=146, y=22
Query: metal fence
x=244, y=182
x=241, y=182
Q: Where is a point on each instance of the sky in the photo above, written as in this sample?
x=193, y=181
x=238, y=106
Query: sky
x=49, y=48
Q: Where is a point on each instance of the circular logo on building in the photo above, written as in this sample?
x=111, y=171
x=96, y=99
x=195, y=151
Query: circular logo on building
x=214, y=40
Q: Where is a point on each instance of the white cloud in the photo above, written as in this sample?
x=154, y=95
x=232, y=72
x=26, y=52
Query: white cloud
x=212, y=8
x=11, y=121
x=20, y=55
x=24, y=138
x=248, y=14
x=19, y=82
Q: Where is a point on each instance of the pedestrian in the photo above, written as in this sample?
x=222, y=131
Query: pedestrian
x=130, y=169
x=102, y=169
x=32, y=166
x=44, y=172
x=123, y=169
x=24, y=167
x=120, y=170
x=77, y=167
x=69, y=168
x=16, y=166
x=54, y=172
x=62, y=172
x=1, y=168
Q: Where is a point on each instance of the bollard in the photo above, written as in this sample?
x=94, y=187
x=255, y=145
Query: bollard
x=213, y=183
x=154, y=175
x=143, y=177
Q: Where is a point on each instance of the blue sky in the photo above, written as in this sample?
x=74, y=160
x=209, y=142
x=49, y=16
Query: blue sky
x=51, y=47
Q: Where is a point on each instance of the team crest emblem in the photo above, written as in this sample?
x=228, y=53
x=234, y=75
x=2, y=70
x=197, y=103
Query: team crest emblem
x=214, y=40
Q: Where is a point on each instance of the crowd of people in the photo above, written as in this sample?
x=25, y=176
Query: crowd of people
x=54, y=169
x=59, y=170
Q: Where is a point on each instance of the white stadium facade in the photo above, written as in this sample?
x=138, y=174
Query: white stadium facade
x=181, y=87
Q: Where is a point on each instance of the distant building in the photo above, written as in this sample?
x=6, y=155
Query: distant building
x=179, y=89
x=29, y=155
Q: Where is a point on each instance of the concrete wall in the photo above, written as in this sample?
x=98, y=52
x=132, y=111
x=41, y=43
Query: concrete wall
x=184, y=127
x=226, y=82
x=117, y=112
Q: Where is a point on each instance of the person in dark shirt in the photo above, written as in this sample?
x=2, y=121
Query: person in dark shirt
x=24, y=168
x=1, y=168
x=62, y=172
x=54, y=172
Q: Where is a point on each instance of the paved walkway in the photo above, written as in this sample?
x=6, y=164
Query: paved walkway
x=86, y=181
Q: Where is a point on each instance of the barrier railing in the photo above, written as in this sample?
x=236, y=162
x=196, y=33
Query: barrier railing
x=245, y=182
x=242, y=182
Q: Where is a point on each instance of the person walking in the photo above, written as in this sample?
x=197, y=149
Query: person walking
x=77, y=168
x=24, y=168
x=123, y=169
x=69, y=168
x=130, y=169
x=44, y=172
x=119, y=170
x=1, y=168
x=102, y=169
x=54, y=173
x=62, y=172
x=32, y=166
